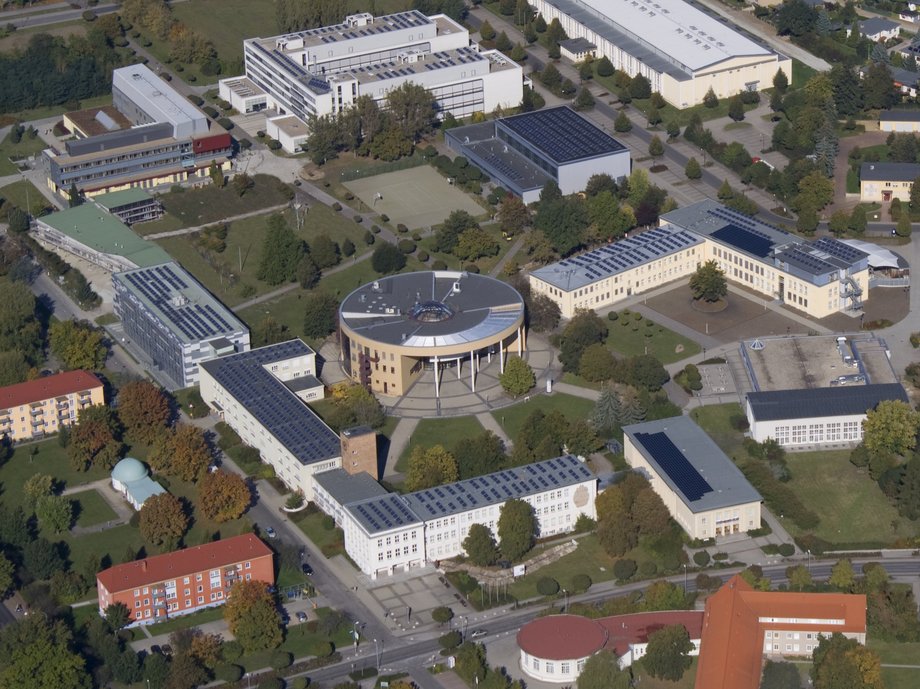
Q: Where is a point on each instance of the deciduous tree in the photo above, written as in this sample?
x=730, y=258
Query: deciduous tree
x=251, y=615
x=480, y=546
x=597, y=363
x=411, y=109
x=602, y=671
x=843, y=577
x=55, y=513
x=708, y=282
x=223, y=495
x=693, y=169
x=144, y=410
x=77, y=345
x=38, y=653
x=324, y=252
x=13, y=367
x=780, y=675
x=891, y=427
x=163, y=521
x=655, y=147
x=513, y=215
x=481, y=454
x=668, y=653
x=430, y=467
x=387, y=258
x=842, y=662
x=518, y=377
x=182, y=452
x=7, y=570
x=117, y=616
x=320, y=315
x=516, y=529
x=96, y=439
x=584, y=329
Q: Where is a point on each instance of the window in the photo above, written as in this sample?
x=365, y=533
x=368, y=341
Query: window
x=550, y=668
x=248, y=565
x=146, y=601
x=198, y=577
x=146, y=590
x=137, y=592
x=188, y=592
x=186, y=580
x=146, y=613
x=565, y=668
x=200, y=600
x=137, y=604
x=248, y=576
x=137, y=615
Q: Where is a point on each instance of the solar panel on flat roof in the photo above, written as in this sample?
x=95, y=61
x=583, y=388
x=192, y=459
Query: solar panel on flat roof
x=562, y=134
x=675, y=464
x=748, y=240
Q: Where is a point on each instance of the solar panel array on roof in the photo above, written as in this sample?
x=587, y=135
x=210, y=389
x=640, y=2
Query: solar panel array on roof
x=835, y=247
x=384, y=513
x=806, y=261
x=275, y=407
x=745, y=239
x=167, y=288
x=562, y=134
x=684, y=475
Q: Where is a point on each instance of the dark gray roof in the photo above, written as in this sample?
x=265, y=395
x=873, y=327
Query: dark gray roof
x=303, y=383
x=877, y=25
x=395, y=511
x=120, y=139
x=275, y=407
x=561, y=134
x=901, y=115
x=346, y=488
x=822, y=257
x=889, y=172
x=577, y=45
x=808, y=403
x=691, y=464
x=431, y=308
x=612, y=259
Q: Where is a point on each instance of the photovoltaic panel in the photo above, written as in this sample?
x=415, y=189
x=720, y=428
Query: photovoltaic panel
x=673, y=462
x=745, y=239
x=562, y=134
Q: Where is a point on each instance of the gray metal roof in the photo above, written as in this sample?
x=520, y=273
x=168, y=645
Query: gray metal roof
x=577, y=45
x=889, y=172
x=808, y=403
x=395, y=511
x=877, y=25
x=180, y=302
x=431, y=308
x=561, y=134
x=669, y=36
x=691, y=464
x=272, y=404
x=611, y=259
x=900, y=115
x=303, y=383
x=160, y=101
x=120, y=139
x=346, y=488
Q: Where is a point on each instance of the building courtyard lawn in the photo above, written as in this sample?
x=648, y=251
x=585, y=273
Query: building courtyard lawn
x=22, y=194
x=445, y=432
x=25, y=148
x=715, y=420
x=239, y=19
x=851, y=505
x=91, y=508
x=330, y=541
x=631, y=335
x=512, y=418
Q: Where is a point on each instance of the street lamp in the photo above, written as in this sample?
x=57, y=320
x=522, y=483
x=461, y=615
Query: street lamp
x=565, y=600
x=354, y=633
x=377, y=653
x=808, y=553
x=685, y=578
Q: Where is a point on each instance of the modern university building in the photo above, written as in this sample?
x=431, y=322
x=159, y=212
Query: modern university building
x=819, y=278
x=396, y=327
x=682, y=50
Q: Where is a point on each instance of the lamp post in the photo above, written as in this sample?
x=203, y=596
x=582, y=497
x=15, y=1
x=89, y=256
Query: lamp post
x=354, y=632
x=685, y=578
x=565, y=600
x=808, y=554
x=377, y=653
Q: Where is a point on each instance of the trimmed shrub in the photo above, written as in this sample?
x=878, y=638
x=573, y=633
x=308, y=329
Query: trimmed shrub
x=719, y=557
x=624, y=569
x=581, y=583
x=612, y=316
x=701, y=558
x=281, y=659
x=648, y=569
x=471, y=268
x=274, y=145
x=384, y=217
x=272, y=683
x=438, y=264
x=358, y=219
x=349, y=196
x=337, y=206
x=226, y=123
x=407, y=246
x=401, y=228
x=547, y=586
x=228, y=673
x=450, y=640
x=422, y=256
x=375, y=229
x=786, y=549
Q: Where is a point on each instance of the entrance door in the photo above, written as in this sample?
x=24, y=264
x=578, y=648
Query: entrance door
x=886, y=196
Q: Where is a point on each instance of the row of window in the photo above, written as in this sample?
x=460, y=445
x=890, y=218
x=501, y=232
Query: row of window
x=213, y=574
x=835, y=431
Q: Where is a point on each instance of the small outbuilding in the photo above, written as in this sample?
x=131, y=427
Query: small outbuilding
x=132, y=479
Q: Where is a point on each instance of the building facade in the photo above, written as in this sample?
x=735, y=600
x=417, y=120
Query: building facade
x=323, y=71
x=249, y=392
x=131, y=206
x=398, y=326
x=815, y=417
x=132, y=481
x=819, y=278
x=884, y=182
x=160, y=587
x=39, y=407
x=681, y=50
x=175, y=321
x=701, y=487
x=389, y=533
x=525, y=151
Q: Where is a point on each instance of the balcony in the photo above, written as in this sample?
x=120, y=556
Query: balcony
x=36, y=412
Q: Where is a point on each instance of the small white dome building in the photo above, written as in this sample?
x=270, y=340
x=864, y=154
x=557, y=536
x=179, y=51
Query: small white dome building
x=132, y=479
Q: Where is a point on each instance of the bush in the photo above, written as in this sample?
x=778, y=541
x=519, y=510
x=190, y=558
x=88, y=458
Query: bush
x=358, y=219
x=402, y=229
x=375, y=229
x=245, y=144
x=624, y=569
x=281, y=659
x=228, y=673
x=422, y=256
x=719, y=557
x=648, y=569
x=786, y=549
x=612, y=316
x=581, y=583
x=701, y=558
x=471, y=268
x=231, y=651
x=300, y=683
x=547, y=586
x=407, y=246
x=337, y=206
x=226, y=123
x=274, y=145
x=89, y=16
x=739, y=422
x=438, y=264
x=349, y=196
x=272, y=683
x=450, y=640
x=384, y=217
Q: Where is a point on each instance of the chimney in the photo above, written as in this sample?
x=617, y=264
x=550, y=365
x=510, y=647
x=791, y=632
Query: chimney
x=143, y=565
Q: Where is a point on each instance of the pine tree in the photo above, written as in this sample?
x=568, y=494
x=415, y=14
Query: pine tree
x=711, y=100
x=823, y=24
x=607, y=412
x=725, y=191
x=584, y=100
x=622, y=123
x=631, y=409
x=693, y=169
x=826, y=148
x=880, y=54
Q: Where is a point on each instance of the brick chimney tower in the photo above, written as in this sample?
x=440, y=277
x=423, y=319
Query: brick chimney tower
x=359, y=451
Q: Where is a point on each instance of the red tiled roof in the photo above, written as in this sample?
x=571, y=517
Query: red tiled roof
x=562, y=637
x=731, y=650
x=624, y=630
x=47, y=387
x=180, y=563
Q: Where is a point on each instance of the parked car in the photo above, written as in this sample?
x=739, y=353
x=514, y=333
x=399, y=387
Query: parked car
x=478, y=634
x=270, y=532
x=301, y=616
x=307, y=569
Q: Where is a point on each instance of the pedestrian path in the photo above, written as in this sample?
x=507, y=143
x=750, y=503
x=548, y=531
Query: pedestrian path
x=402, y=434
x=232, y=218
x=490, y=424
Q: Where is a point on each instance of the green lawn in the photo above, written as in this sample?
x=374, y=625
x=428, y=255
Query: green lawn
x=627, y=336
x=329, y=541
x=589, y=558
x=209, y=204
x=512, y=418
x=895, y=653
x=53, y=110
x=239, y=19
x=646, y=681
x=92, y=508
x=445, y=432
x=25, y=148
x=22, y=194
x=111, y=544
x=801, y=73
x=50, y=459
x=168, y=223
x=901, y=678
x=714, y=419
x=851, y=505
x=185, y=621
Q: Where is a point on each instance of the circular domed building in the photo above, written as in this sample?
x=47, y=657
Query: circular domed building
x=555, y=648
x=395, y=328
x=132, y=480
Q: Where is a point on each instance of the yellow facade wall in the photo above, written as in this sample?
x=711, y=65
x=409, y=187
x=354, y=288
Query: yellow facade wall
x=43, y=417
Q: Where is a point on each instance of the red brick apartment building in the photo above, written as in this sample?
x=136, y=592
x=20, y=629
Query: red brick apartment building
x=184, y=581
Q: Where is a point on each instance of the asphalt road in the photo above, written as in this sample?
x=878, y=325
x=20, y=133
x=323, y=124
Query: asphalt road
x=59, y=17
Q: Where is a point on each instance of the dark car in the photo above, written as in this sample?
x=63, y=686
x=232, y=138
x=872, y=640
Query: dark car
x=307, y=569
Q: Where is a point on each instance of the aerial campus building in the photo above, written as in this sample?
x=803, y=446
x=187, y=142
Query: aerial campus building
x=35, y=408
x=819, y=278
x=175, y=321
x=261, y=395
x=682, y=50
x=158, y=138
x=524, y=152
x=323, y=71
x=706, y=494
x=389, y=532
x=396, y=327
x=160, y=587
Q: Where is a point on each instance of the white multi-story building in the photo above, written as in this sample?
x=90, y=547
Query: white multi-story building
x=387, y=533
x=323, y=71
x=260, y=394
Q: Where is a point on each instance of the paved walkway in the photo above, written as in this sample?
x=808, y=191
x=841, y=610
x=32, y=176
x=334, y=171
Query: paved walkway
x=577, y=391
x=198, y=228
x=490, y=424
x=399, y=440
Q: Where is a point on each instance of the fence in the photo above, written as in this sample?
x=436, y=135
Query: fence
x=415, y=160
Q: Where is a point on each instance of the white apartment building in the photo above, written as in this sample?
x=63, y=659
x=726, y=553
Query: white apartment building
x=260, y=394
x=323, y=71
x=388, y=533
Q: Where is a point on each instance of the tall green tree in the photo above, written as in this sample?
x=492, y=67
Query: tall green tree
x=252, y=617
x=668, y=653
x=480, y=454
x=411, y=109
x=96, y=439
x=710, y=99
x=518, y=377
x=281, y=252
x=842, y=662
x=20, y=330
x=693, y=169
x=602, y=671
x=320, y=315
x=163, y=521
x=780, y=675
x=583, y=330
x=891, y=427
x=563, y=222
x=430, y=467
x=480, y=546
x=606, y=413
x=708, y=283
x=38, y=652
x=517, y=528
x=78, y=344
x=736, y=108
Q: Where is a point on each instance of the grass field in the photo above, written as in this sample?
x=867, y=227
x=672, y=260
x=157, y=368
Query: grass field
x=25, y=148
x=646, y=681
x=209, y=204
x=851, y=506
x=512, y=418
x=92, y=508
x=20, y=38
x=53, y=110
x=22, y=194
x=445, y=432
x=589, y=558
x=239, y=19
x=627, y=336
x=714, y=419
x=329, y=541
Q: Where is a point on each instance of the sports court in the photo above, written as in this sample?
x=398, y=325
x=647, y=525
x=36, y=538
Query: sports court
x=417, y=197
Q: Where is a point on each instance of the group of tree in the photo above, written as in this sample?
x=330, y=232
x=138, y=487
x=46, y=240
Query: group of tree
x=708, y=283
x=21, y=333
x=517, y=527
x=252, y=616
x=288, y=258
x=541, y=312
x=547, y=435
x=78, y=344
x=368, y=130
x=155, y=18
x=462, y=236
x=353, y=405
x=843, y=662
x=620, y=405
x=628, y=511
